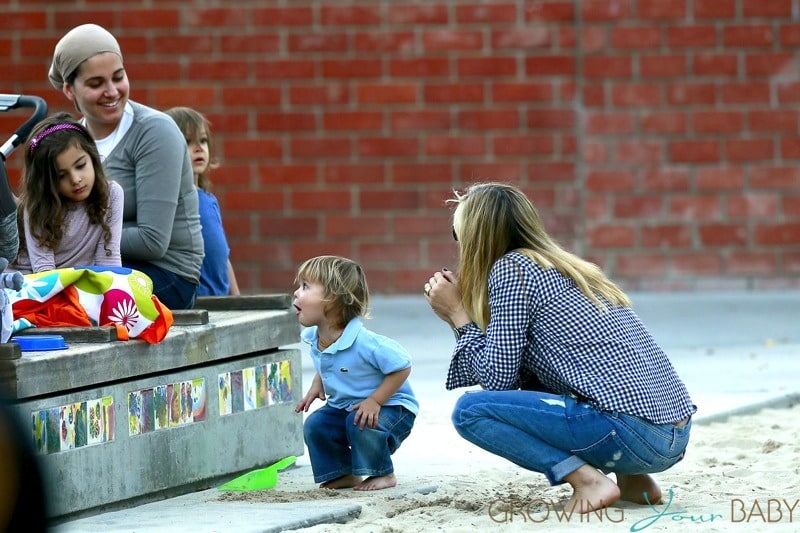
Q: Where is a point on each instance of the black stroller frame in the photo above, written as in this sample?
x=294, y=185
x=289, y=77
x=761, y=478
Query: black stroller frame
x=15, y=101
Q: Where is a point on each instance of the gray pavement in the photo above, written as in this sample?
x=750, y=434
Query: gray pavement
x=736, y=352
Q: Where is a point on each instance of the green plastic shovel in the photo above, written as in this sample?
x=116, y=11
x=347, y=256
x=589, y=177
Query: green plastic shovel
x=263, y=478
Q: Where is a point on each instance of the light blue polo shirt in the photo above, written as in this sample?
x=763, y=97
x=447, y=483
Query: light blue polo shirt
x=356, y=364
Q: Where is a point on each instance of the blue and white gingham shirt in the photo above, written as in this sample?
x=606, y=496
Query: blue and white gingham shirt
x=545, y=334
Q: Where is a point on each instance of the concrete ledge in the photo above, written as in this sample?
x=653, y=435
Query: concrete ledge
x=232, y=303
x=10, y=350
x=137, y=454
x=190, y=317
x=89, y=364
x=116, y=423
x=75, y=333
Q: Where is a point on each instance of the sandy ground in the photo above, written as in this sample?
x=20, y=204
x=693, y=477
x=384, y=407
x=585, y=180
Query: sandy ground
x=740, y=474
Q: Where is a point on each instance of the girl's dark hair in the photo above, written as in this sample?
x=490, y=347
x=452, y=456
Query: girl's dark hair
x=40, y=200
x=192, y=124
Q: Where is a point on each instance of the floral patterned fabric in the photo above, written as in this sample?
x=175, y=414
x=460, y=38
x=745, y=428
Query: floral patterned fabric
x=92, y=296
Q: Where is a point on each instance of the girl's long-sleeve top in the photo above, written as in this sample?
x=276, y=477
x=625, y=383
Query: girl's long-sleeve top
x=82, y=243
x=161, y=219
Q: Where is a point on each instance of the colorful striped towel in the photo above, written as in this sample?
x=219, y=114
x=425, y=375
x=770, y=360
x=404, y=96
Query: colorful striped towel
x=92, y=296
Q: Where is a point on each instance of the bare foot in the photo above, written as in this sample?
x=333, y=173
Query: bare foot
x=633, y=489
x=592, y=490
x=345, y=482
x=377, y=483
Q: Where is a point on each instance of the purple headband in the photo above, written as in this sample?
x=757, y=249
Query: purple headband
x=52, y=129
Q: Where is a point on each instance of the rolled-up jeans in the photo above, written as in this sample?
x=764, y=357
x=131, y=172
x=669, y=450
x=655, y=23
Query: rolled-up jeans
x=556, y=434
x=337, y=447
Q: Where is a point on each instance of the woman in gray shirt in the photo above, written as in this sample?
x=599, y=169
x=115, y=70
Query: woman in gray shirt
x=144, y=151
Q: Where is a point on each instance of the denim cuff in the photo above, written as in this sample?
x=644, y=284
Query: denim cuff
x=556, y=474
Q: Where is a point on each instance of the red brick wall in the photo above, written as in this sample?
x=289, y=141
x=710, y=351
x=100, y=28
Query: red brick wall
x=658, y=138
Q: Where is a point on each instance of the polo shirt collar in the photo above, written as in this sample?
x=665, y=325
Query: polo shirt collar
x=345, y=340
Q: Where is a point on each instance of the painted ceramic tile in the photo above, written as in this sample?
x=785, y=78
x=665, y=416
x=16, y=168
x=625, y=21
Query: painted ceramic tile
x=39, y=420
x=67, y=428
x=224, y=387
x=174, y=399
x=255, y=387
x=72, y=426
x=237, y=392
x=53, y=430
x=96, y=428
x=180, y=388
x=134, y=413
x=286, y=381
x=81, y=429
x=160, y=407
x=170, y=405
x=274, y=384
x=249, y=385
x=262, y=395
x=108, y=418
x=187, y=405
x=148, y=423
x=199, y=400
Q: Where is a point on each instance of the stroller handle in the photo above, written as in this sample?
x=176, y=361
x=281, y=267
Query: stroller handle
x=14, y=101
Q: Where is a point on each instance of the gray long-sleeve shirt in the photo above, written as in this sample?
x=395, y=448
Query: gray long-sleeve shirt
x=161, y=219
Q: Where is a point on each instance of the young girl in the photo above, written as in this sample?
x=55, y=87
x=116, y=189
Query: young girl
x=216, y=275
x=69, y=213
x=370, y=406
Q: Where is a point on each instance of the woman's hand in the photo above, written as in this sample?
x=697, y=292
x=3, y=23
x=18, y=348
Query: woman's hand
x=444, y=297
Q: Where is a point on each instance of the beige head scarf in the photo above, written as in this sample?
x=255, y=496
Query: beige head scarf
x=78, y=45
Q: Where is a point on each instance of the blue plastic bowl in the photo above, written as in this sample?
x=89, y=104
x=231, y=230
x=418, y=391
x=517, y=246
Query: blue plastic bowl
x=40, y=343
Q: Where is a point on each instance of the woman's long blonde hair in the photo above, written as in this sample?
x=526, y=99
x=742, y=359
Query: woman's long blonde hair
x=494, y=219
